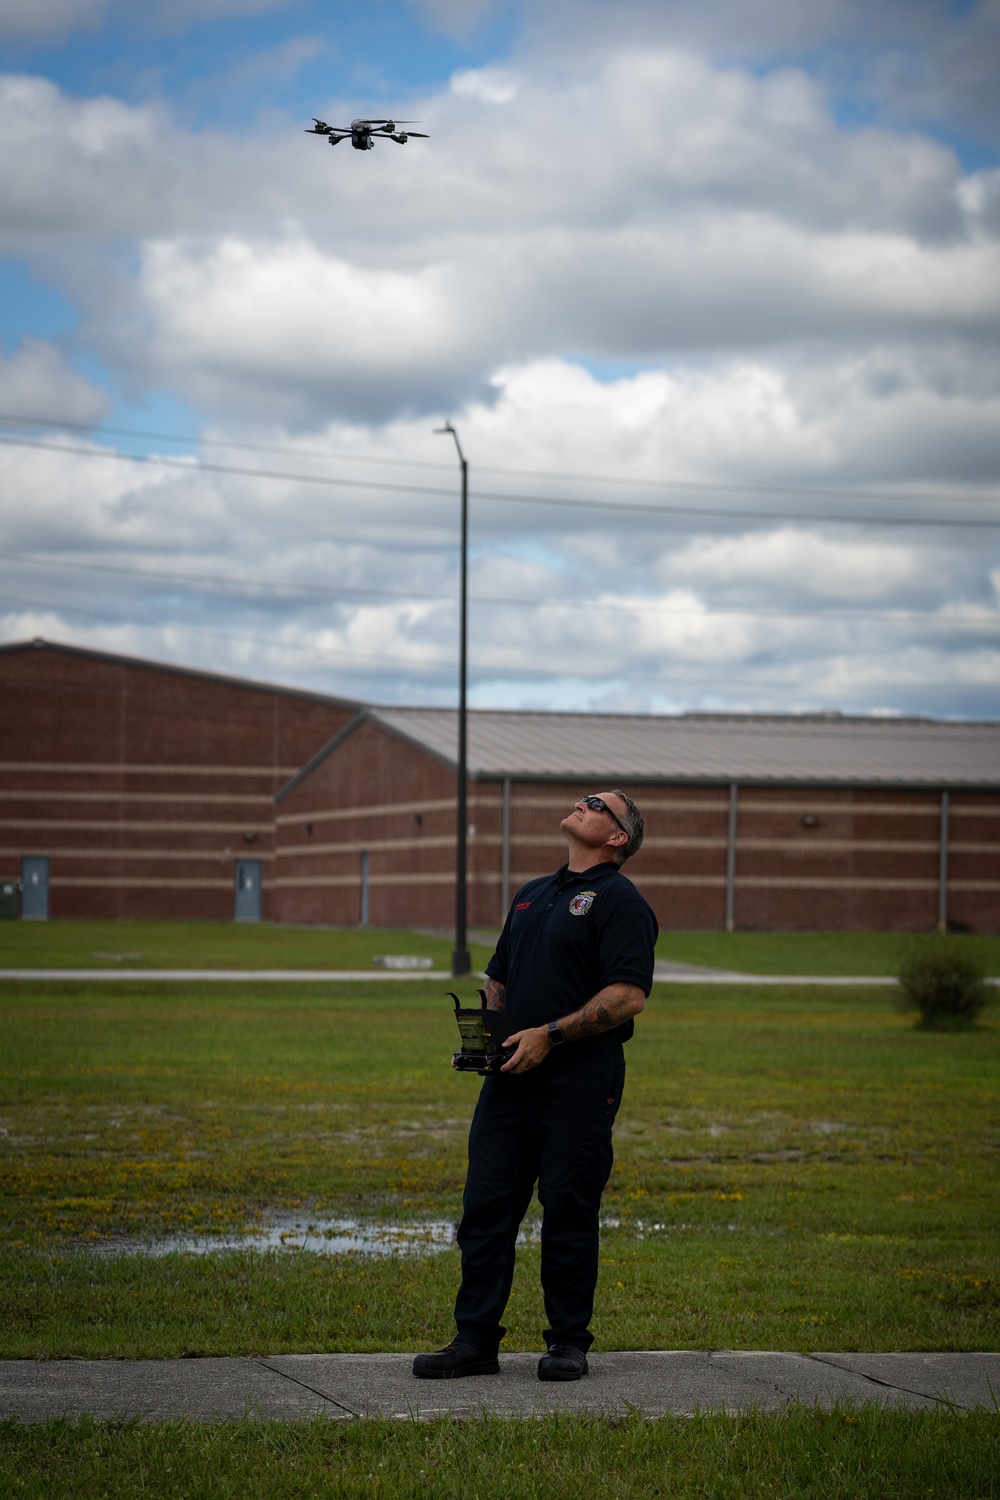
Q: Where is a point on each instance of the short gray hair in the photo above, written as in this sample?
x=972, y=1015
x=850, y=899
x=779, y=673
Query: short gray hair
x=635, y=825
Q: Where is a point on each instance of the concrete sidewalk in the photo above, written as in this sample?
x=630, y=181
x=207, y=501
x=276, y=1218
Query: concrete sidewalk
x=664, y=973
x=349, y=1386
x=276, y=976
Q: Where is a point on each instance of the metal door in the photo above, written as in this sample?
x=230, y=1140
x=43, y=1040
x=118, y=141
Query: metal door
x=35, y=887
x=248, y=876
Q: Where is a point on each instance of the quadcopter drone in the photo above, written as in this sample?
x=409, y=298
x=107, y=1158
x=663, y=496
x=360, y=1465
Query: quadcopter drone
x=362, y=134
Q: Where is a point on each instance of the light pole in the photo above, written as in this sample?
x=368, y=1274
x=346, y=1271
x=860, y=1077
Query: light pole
x=461, y=959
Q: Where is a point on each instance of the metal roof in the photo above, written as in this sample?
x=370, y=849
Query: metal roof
x=822, y=748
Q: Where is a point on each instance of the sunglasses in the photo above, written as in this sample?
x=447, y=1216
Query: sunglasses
x=598, y=804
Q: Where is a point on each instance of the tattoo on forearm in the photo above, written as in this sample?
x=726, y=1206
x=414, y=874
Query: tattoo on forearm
x=494, y=992
x=590, y=1021
x=617, y=1003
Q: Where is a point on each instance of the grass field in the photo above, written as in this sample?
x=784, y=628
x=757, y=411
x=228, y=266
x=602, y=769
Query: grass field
x=863, y=1454
x=796, y=1170
x=223, y=945
x=870, y=953
x=211, y=945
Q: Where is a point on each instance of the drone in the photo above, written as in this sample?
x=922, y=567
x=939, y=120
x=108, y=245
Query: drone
x=362, y=134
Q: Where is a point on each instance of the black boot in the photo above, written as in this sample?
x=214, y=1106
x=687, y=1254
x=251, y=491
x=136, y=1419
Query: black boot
x=562, y=1362
x=457, y=1359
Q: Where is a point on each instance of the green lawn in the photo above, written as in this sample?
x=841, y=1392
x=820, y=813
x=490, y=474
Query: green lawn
x=226, y=945
x=795, y=1170
x=805, y=952
x=847, y=1454
x=211, y=945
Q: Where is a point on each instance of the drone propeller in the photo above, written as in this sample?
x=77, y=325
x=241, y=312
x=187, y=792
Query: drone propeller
x=402, y=136
x=319, y=127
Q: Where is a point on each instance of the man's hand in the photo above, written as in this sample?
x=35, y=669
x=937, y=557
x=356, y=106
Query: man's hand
x=533, y=1047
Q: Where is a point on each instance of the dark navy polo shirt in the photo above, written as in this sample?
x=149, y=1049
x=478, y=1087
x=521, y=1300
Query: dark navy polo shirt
x=566, y=937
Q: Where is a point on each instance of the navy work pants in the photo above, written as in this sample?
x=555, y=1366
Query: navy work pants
x=551, y=1126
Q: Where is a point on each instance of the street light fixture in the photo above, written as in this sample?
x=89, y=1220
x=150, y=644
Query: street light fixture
x=461, y=959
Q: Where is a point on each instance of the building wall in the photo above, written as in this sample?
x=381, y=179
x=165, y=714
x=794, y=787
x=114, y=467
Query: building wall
x=837, y=859
x=805, y=858
x=378, y=795
x=974, y=861
x=144, y=785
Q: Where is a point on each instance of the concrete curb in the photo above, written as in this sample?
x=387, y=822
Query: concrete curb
x=667, y=974
x=277, y=976
x=346, y=1387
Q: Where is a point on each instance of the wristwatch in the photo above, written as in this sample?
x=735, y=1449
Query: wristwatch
x=556, y=1037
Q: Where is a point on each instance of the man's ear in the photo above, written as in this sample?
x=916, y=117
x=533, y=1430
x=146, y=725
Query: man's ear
x=618, y=838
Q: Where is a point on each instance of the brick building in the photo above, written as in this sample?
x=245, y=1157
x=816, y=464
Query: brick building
x=785, y=822
x=130, y=789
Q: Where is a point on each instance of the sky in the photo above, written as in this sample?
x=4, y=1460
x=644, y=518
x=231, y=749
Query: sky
x=709, y=289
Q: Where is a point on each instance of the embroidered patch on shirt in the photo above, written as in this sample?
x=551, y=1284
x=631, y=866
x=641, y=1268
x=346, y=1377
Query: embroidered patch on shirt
x=522, y=906
x=581, y=904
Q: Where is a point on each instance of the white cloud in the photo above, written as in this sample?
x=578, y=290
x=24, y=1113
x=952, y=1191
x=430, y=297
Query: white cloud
x=59, y=18
x=488, y=85
x=798, y=563
x=37, y=378
x=772, y=302
x=243, y=321
x=911, y=61
x=291, y=322
x=686, y=614
x=711, y=211
x=978, y=196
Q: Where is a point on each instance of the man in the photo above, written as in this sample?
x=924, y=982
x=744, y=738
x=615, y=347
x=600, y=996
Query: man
x=574, y=964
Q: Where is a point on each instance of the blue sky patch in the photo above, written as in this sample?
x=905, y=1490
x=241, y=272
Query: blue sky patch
x=29, y=305
x=225, y=70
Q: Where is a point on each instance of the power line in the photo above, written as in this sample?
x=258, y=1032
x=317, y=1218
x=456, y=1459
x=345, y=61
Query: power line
x=482, y=673
x=719, y=512
x=625, y=606
x=324, y=590
x=196, y=466
x=708, y=486
x=232, y=444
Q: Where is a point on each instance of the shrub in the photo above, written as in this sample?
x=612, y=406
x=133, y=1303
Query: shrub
x=944, y=979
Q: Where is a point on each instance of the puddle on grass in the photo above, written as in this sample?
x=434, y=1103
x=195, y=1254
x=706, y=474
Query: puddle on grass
x=371, y=1240
x=320, y=1236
